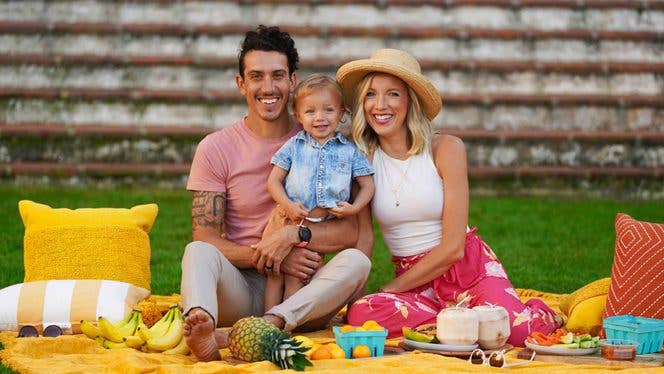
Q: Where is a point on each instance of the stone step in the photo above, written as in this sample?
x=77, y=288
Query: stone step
x=487, y=112
x=91, y=144
x=63, y=61
x=641, y=15
x=19, y=79
x=198, y=132
x=458, y=32
x=340, y=48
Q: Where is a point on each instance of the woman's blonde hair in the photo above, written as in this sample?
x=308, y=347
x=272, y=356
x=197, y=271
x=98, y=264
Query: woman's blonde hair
x=316, y=81
x=366, y=139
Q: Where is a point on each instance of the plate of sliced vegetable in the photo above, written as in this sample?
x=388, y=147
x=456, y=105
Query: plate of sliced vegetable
x=563, y=343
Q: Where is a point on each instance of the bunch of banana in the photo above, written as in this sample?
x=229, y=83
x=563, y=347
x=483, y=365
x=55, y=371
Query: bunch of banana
x=165, y=336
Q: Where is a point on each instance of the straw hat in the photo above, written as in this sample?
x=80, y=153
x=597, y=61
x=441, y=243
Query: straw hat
x=397, y=63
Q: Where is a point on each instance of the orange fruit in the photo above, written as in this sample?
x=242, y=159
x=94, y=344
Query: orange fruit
x=372, y=325
x=335, y=350
x=360, y=328
x=321, y=353
x=361, y=351
x=347, y=328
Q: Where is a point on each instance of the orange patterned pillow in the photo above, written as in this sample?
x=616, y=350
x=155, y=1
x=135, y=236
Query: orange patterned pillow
x=637, y=276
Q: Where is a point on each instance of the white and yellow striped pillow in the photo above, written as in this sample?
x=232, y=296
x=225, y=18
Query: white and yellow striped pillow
x=65, y=303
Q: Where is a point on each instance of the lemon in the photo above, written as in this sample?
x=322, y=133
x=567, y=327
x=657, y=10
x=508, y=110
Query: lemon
x=372, y=325
x=305, y=342
x=335, y=350
x=347, y=328
x=361, y=351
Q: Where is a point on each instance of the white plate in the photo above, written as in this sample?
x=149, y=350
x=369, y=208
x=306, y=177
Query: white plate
x=440, y=347
x=560, y=351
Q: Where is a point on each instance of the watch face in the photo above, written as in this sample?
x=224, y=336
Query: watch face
x=305, y=234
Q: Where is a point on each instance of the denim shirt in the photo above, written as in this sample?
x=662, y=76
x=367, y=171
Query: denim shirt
x=320, y=175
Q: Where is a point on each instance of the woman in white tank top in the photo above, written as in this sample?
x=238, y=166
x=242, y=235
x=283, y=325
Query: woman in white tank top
x=421, y=204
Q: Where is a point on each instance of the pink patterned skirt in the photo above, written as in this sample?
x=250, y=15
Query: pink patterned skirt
x=479, y=275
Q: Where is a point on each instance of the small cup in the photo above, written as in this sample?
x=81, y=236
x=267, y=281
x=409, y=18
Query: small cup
x=618, y=349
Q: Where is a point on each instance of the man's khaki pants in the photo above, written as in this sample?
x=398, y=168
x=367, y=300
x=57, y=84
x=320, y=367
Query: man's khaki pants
x=211, y=282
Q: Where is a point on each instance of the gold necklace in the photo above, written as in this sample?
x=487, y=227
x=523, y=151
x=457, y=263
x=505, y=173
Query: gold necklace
x=395, y=189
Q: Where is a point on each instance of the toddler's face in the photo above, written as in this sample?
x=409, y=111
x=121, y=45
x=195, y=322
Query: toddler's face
x=320, y=112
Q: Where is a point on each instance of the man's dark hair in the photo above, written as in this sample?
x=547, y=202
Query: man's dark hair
x=267, y=39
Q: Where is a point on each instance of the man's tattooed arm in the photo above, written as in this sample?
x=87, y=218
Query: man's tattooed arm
x=207, y=211
x=207, y=218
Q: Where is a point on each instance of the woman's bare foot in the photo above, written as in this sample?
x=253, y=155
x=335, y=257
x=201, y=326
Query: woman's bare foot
x=200, y=336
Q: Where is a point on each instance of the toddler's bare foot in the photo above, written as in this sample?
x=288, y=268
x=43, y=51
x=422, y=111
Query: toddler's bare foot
x=199, y=334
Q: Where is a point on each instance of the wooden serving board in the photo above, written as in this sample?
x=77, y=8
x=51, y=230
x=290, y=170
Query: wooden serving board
x=652, y=359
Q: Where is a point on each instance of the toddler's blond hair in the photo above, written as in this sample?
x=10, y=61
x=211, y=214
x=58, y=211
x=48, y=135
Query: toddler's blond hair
x=314, y=82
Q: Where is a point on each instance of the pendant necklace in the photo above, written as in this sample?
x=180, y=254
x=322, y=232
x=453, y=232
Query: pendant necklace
x=402, y=177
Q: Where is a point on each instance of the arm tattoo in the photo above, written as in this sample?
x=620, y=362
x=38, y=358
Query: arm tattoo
x=207, y=209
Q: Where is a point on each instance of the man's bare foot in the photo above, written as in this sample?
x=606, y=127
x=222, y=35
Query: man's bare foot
x=275, y=320
x=200, y=336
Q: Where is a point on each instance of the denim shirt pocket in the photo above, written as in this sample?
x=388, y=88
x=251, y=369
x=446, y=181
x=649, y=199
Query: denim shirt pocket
x=342, y=164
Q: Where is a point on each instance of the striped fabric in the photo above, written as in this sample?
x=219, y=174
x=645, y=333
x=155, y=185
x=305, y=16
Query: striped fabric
x=637, y=277
x=65, y=303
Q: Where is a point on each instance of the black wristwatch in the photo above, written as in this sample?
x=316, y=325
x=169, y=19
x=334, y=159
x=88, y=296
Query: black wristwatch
x=304, y=234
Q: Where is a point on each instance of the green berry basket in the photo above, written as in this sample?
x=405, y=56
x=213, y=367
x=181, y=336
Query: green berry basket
x=375, y=340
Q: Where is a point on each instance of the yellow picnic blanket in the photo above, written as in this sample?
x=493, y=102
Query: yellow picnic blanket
x=78, y=354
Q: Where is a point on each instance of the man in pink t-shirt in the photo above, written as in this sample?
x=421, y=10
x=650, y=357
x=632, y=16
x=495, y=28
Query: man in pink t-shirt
x=223, y=275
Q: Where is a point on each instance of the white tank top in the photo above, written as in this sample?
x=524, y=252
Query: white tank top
x=408, y=203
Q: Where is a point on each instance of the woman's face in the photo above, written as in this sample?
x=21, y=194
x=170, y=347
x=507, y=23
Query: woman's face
x=386, y=104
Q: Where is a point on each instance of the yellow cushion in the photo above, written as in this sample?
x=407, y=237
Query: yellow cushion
x=584, y=307
x=87, y=243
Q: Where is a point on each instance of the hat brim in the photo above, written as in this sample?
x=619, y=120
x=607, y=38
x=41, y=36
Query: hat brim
x=350, y=74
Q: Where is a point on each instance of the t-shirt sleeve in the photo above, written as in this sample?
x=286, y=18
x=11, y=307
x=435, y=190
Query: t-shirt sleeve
x=284, y=156
x=209, y=168
x=361, y=165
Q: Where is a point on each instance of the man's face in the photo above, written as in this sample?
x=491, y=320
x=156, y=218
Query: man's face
x=266, y=84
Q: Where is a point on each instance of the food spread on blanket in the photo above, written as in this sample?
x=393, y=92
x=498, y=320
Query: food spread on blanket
x=618, y=349
x=255, y=339
x=165, y=335
x=367, y=340
x=494, y=326
x=561, y=338
x=149, y=312
x=423, y=333
x=487, y=325
x=457, y=326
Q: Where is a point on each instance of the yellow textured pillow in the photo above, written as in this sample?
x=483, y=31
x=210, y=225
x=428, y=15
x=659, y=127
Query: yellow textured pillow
x=87, y=243
x=584, y=307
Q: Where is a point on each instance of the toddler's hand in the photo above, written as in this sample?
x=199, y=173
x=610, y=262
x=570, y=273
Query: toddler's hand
x=343, y=209
x=296, y=211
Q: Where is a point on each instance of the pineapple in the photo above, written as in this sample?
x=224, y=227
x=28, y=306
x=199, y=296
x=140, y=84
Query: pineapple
x=255, y=339
x=149, y=312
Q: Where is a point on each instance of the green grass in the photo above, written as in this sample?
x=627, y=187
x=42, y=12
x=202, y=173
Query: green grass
x=554, y=245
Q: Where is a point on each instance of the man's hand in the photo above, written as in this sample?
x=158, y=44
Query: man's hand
x=302, y=263
x=271, y=250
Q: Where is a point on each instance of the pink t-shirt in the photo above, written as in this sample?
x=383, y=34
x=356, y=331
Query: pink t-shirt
x=237, y=161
